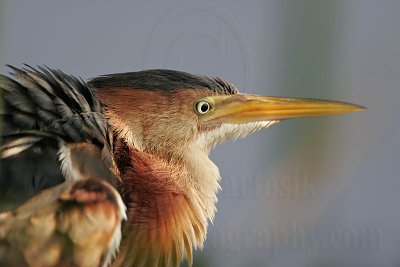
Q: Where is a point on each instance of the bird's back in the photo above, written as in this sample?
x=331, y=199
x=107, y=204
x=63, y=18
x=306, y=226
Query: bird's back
x=46, y=117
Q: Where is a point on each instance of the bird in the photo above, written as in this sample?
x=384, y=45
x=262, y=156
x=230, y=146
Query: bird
x=134, y=146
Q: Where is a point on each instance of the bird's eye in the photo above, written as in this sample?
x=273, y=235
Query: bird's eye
x=202, y=107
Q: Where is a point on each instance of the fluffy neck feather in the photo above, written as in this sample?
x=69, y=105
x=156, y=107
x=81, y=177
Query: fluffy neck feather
x=168, y=208
x=169, y=198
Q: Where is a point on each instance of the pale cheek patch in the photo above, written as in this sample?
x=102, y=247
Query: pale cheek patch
x=210, y=139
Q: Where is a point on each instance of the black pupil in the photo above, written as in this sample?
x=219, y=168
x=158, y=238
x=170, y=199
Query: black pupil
x=204, y=107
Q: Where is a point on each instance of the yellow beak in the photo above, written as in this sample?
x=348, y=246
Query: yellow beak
x=242, y=108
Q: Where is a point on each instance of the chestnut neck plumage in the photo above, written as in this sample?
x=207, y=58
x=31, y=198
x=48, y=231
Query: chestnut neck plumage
x=169, y=197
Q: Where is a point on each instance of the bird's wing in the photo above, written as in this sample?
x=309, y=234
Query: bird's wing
x=52, y=130
x=76, y=223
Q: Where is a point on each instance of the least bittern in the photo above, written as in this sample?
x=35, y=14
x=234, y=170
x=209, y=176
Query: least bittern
x=72, y=150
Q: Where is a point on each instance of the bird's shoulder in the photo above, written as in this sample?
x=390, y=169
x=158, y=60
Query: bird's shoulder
x=53, y=128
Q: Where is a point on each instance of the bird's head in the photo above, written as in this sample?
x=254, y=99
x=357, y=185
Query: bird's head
x=169, y=121
x=165, y=111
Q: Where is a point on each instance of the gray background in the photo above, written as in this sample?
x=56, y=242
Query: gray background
x=307, y=192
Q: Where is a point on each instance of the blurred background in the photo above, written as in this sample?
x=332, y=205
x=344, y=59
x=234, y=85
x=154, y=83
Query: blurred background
x=306, y=192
